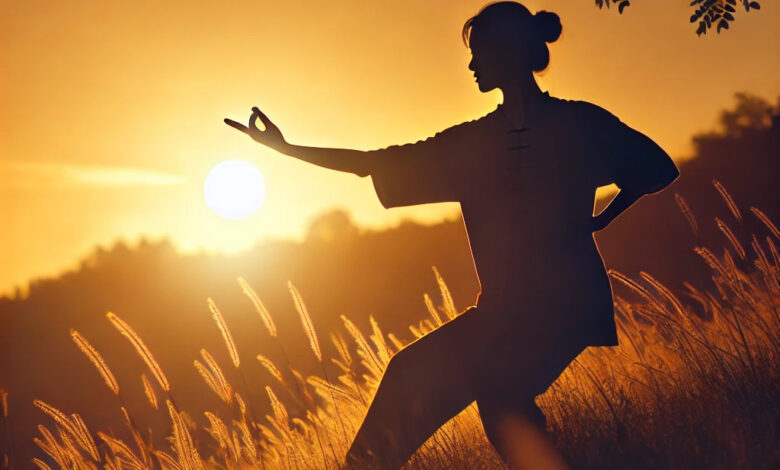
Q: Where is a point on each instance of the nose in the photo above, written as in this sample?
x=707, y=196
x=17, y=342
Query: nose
x=471, y=65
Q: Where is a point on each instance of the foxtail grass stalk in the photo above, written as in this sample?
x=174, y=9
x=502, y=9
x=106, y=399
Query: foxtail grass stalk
x=233, y=351
x=308, y=326
x=8, y=456
x=270, y=326
x=128, y=332
x=686, y=210
x=97, y=360
x=146, y=355
x=231, y=345
x=728, y=199
x=40, y=464
x=446, y=296
x=259, y=307
x=766, y=221
x=149, y=392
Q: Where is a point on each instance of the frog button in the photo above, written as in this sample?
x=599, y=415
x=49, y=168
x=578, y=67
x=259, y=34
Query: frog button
x=522, y=129
x=520, y=146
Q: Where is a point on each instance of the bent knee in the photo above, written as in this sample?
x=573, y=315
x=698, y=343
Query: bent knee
x=492, y=411
x=398, y=375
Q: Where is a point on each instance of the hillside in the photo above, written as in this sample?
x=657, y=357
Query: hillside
x=339, y=269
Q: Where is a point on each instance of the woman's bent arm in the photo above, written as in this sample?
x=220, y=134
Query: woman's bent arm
x=628, y=195
x=616, y=206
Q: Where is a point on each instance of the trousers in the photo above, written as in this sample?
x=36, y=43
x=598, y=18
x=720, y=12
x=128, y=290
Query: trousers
x=490, y=354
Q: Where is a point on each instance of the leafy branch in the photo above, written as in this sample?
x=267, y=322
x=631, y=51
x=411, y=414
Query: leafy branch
x=620, y=3
x=708, y=13
x=720, y=12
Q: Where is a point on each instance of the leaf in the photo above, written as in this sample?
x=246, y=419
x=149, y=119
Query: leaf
x=731, y=2
x=730, y=8
x=702, y=29
x=723, y=24
x=755, y=5
x=728, y=16
x=622, y=5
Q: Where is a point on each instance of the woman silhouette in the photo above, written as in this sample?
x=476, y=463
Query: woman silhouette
x=525, y=175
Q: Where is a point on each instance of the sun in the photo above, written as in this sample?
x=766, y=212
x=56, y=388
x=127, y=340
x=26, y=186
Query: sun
x=234, y=189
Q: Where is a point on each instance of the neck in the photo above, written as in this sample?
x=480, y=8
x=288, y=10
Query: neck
x=521, y=96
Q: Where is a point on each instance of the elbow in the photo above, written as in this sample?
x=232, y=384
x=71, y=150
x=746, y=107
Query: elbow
x=640, y=187
x=665, y=179
x=662, y=171
x=669, y=171
x=668, y=177
x=666, y=174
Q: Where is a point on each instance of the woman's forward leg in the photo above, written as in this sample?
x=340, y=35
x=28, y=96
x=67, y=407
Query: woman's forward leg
x=423, y=387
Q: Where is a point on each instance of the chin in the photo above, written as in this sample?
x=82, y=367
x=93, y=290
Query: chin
x=484, y=88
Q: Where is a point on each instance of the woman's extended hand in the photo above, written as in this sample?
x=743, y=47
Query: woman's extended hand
x=270, y=137
x=348, y=160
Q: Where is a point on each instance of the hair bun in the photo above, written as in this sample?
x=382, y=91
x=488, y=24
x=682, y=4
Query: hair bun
x=548, y=25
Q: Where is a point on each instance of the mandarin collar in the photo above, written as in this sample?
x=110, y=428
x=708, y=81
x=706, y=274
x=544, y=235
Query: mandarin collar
x=535, y=114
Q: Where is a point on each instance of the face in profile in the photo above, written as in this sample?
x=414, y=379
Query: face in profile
x=483, y=64
x=492, y=65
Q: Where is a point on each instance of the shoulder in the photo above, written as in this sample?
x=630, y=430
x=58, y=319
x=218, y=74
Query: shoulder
x=460, y=134
x=587, y=112
x=445, y=141
x=471, y=126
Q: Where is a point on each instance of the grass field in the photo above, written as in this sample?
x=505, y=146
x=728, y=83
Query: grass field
x=694, y=384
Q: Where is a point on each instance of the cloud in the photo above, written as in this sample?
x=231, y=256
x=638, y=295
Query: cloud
x=23, y=175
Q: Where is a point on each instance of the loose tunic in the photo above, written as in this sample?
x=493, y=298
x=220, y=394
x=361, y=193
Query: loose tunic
x=527, y=198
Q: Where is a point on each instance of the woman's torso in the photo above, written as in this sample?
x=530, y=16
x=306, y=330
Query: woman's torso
x=527, y=208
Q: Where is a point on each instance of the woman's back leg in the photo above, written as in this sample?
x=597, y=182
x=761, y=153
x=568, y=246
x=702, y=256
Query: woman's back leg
x=513, y=422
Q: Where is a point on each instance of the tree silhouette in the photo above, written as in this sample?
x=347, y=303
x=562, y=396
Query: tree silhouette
x=332, y=225
x=750, y=113
x=707, y=12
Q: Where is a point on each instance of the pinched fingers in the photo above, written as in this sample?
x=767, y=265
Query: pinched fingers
x=253, y=120
x=270, y=135
x=249, y=129
x=236, y=125
x=263, y=118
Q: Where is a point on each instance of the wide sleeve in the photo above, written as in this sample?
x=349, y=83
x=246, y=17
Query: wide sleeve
x=421, y=172
x=628, y=158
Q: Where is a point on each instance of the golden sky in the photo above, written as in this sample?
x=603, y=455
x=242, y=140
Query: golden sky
x=112, y=111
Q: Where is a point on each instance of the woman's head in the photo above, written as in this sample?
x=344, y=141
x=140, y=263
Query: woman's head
x=506, y=39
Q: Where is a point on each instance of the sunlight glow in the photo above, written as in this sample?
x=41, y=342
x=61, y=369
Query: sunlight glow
x=234, y=189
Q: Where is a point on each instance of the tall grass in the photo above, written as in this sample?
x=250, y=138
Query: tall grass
x=694, y=384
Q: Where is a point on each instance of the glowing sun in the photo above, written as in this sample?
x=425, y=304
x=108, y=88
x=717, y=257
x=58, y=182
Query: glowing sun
x=234, y=189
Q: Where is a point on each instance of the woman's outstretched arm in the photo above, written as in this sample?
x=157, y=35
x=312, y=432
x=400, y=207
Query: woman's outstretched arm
x=347, y=160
